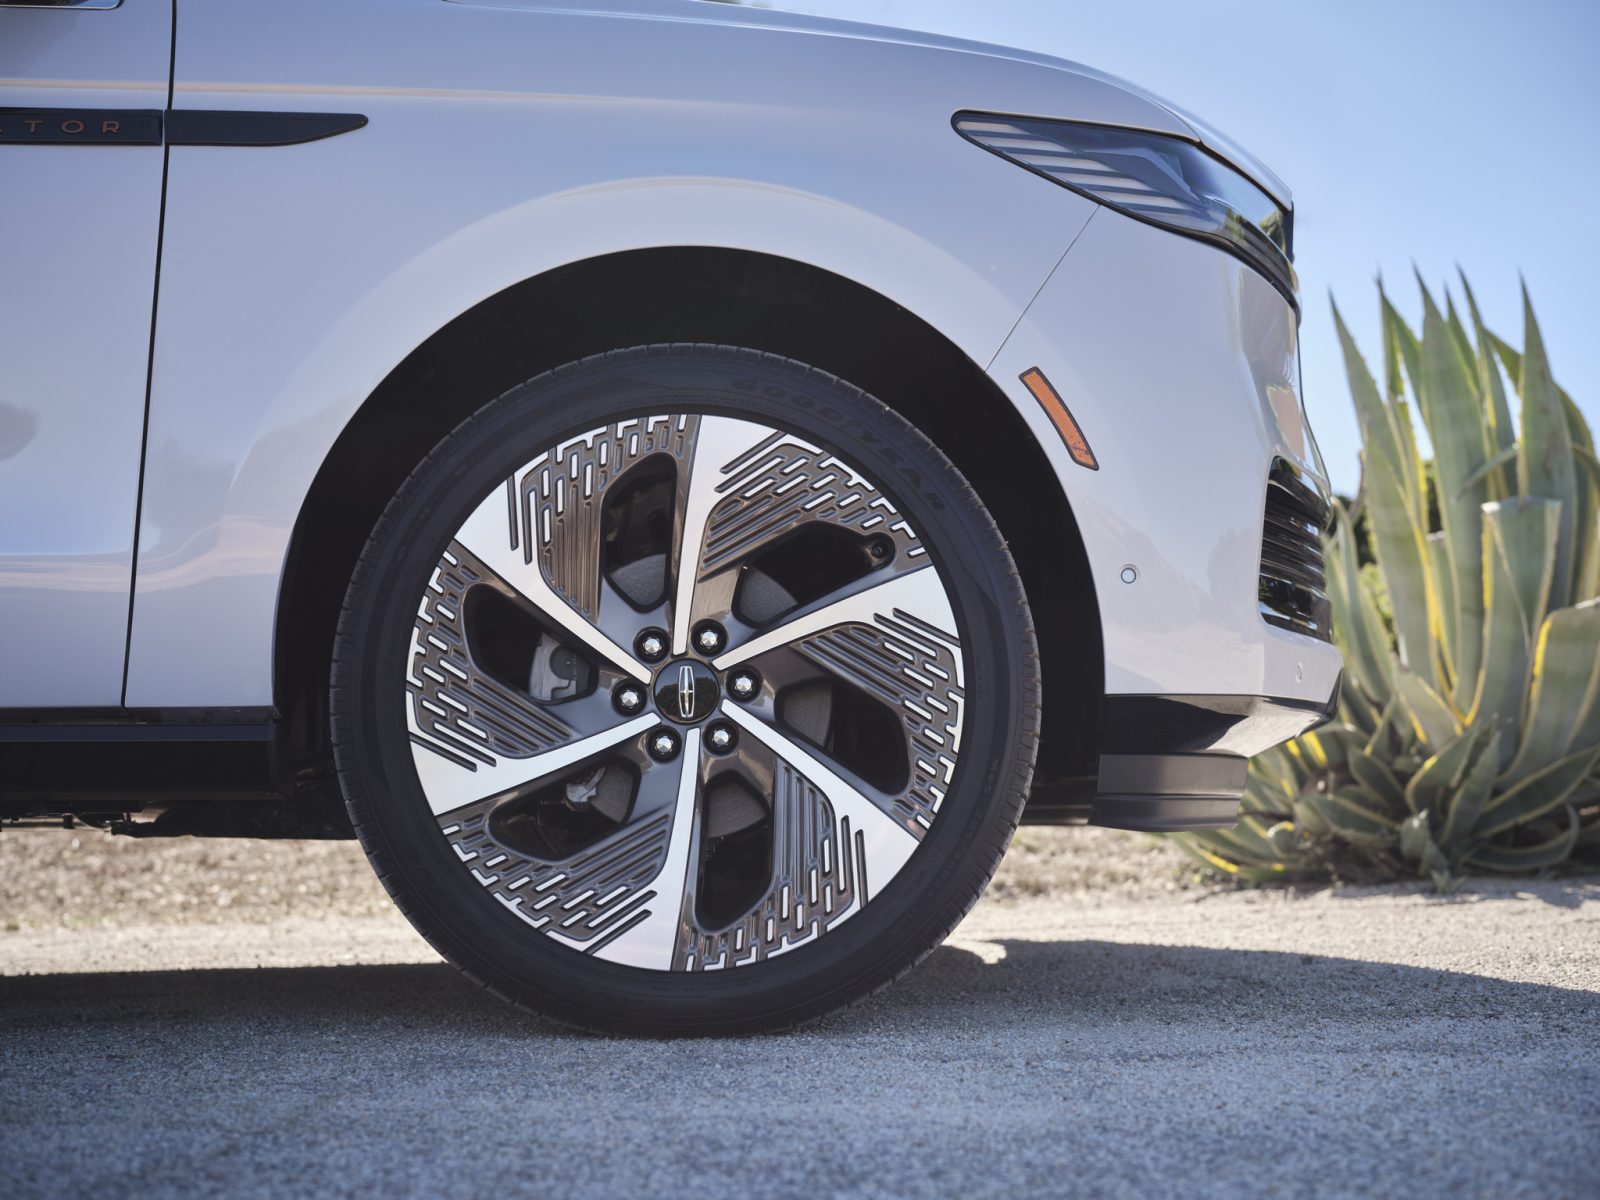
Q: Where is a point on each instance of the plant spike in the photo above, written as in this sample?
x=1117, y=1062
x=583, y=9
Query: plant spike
x=1519, y=550
x=1502, y=435
x=1545, y=464
x=1453, y=413
x=1392, y=505
x=1468, y=735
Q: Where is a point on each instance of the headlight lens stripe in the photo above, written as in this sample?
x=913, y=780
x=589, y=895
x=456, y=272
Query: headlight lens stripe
x=1152, y=177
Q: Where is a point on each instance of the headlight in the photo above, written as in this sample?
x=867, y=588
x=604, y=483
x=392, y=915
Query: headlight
x=1151, y=177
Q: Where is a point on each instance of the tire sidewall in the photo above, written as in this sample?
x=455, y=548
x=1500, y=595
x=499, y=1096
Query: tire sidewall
x=460, y=917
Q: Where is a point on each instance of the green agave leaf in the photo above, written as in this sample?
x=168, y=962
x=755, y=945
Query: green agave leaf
x=1510, y=357
x=1356, y=709
x=1401, y=348
x=1502, y=435
x=1586, y=517
x=1418, y=846
x=1247, y=840
x=1378, y=782
x=1577, y=424
x=1414, y=837
x=1588, y=832
x=1465, y=804
x=1442, y=572
x=1391, y=491
x=1458, y=333
x=1586, y=537
x=1335, y=744
x=1306, y=759
x=1507, y=454
x=1541, y=792
x=1308, y=818
x=1200, y=849
x=1284, y=839
x=1432, y=719
x=1225, y=843
x=1258, y=804
x=1545, y=464
x=1519, y=552
x=1511, y=360
x=1441, y=774
x=1588, y=794
x=1392, y=734
x=1252, y=829
x=1563, y=708
x=1317, y=751
x=1455, y=420
x=1273, y=776
x=1355, y=816
x=1541, y=854
x=1367, y=651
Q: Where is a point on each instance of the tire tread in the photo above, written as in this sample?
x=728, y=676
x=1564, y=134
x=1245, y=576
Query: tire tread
x=1018, y=781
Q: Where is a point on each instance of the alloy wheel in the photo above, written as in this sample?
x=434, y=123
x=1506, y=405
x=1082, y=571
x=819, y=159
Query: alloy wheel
x=685, y=693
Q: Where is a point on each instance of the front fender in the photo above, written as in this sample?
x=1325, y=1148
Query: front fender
x=295, y=280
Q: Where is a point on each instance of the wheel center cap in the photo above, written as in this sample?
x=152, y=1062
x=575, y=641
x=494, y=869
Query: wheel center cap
x=687, y=691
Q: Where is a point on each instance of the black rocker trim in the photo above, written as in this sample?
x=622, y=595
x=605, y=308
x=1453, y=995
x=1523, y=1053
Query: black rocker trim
x=82, y=761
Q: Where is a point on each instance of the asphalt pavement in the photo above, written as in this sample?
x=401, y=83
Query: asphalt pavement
x=1350, y=1043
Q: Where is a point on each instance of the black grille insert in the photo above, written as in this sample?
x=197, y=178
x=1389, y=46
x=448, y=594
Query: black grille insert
x=1293, y=588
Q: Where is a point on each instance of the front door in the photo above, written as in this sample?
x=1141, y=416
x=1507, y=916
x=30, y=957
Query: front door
x=82, y=89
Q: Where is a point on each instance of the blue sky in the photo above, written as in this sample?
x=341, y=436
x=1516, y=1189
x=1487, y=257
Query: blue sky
x=1412, y=132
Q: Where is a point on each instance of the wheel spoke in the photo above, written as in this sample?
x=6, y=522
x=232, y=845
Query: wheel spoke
x=916, y=595
x=650, y=935
x=816, y=878
x=594, y=828
x=491, y=535
x=720, y=446
x=881, y=845
x=451, y=782
x=627, y=887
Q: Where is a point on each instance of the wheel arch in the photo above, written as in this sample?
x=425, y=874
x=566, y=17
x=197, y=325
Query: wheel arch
x=716, y=295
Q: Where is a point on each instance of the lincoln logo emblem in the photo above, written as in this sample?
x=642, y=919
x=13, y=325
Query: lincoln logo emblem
x=686, y=692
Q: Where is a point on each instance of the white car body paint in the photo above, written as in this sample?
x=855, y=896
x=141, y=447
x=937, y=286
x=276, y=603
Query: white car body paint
x=77, y=271
x=507, y=138
x=1185, y=418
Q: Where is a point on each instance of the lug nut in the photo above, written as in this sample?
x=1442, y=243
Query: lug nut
x=744, y=684
x=709, y=638
x=663, y=745
x=651, y=645
x=721, y=737
x=628, y=698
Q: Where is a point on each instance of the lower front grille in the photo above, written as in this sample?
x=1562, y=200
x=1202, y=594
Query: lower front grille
x=1293, y=587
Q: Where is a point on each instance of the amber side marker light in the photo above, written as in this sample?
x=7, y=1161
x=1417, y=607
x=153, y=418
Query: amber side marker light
x=1061, y=418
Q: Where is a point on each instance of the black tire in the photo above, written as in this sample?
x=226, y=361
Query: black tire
x=901, y=923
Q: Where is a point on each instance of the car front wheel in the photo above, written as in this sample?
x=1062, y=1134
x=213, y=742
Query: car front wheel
x=685, y=689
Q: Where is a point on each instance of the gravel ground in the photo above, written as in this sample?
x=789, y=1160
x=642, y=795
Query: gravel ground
x=247, y=1019
x=54, y=879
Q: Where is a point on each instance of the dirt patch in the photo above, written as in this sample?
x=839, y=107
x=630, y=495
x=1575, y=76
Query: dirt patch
x=53, y=878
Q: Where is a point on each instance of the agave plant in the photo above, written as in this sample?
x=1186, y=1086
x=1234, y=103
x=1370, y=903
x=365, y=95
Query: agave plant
x=1468, y=733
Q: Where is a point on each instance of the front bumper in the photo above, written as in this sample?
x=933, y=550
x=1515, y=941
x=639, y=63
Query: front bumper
x=1169, y=763
x=1179, y=364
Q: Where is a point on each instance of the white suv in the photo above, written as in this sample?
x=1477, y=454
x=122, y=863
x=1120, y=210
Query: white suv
x=687, y=478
